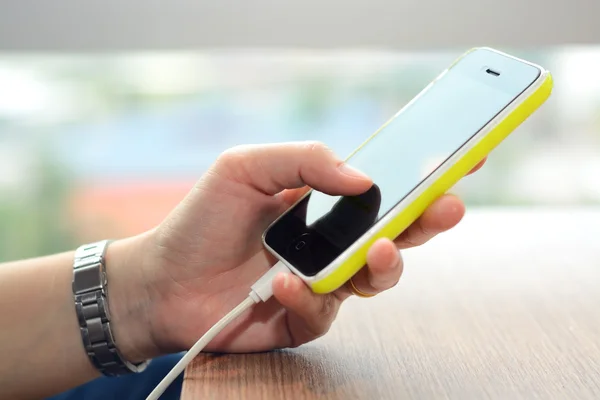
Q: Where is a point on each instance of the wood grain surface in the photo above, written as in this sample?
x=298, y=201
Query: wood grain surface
x=505, y=307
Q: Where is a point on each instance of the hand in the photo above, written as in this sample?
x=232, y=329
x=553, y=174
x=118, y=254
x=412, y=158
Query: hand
x=201, y=261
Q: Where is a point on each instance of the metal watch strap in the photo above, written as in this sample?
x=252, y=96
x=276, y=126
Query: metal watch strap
x=91, y=305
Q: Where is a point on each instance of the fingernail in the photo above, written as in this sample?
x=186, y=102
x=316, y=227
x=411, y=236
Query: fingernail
x=351, y=171
x=286, y=281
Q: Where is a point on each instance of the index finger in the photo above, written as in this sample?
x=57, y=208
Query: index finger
x=275, y=167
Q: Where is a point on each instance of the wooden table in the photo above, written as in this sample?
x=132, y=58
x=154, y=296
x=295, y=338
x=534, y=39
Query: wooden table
x=506, y=306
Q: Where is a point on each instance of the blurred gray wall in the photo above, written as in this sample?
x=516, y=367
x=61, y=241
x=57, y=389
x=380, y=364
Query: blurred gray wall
x=399, y=24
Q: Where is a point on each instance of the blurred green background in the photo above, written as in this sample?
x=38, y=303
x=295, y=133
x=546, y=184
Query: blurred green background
x=104, y=145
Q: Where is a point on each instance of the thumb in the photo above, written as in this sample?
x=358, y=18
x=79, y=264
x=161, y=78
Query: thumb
x=272, y=168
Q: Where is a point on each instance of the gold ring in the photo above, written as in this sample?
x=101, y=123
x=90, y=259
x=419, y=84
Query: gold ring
x=356, y=291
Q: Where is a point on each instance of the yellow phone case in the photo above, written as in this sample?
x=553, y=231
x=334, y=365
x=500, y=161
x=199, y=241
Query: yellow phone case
x=395, y=227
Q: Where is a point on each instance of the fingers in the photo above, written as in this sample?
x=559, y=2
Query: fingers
x=275, y=167
x=478, y=166
x=443, y=214
x=312, y=314
x=290, y=196
x=384, y=262
x=383, y=270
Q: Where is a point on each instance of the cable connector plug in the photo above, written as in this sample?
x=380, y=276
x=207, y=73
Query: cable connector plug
x=262, y=290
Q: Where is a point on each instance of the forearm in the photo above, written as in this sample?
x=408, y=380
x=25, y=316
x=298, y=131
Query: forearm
x=41, y=346
x=40, y=342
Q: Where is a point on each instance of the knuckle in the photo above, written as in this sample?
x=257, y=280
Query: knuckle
x=321, y=322
x=234, y=163
x=410, y=239
x=227, y=158
x=318, y=148
x=232, y=155
x=328, y=308
x=385, y=284
x=416, y=235
x=378, y=284
x=393, y=283
x=388, y=280
x=422, y=232
x=320, y=330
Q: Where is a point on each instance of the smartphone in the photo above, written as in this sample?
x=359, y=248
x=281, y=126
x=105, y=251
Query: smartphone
x=414, y=158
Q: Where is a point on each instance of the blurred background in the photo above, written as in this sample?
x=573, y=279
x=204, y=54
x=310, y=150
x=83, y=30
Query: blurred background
x=109, y=113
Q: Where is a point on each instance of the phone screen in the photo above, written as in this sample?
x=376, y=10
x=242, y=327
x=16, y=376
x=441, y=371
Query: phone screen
x=407, y=150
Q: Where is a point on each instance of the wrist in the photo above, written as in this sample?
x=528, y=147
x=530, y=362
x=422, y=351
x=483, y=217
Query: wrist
x=129, y=300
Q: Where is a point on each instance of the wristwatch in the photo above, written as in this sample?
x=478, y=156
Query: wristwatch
x=91, y=306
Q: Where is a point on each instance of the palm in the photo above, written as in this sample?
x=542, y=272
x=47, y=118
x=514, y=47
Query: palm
x=214, y=283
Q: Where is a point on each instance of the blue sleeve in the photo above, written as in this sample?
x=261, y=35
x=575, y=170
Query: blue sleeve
x=129, y=387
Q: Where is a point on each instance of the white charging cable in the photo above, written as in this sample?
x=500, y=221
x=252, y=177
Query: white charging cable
x=262, y=290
